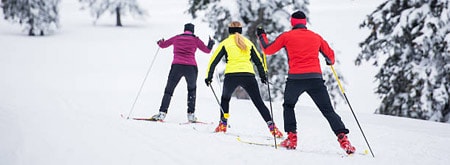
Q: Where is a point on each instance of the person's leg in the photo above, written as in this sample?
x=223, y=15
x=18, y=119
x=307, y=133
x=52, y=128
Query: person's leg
x=229, y=85
x=174, y=77
x=292, y=91
x=251, y=87
x=191, y=73
x=319, y=94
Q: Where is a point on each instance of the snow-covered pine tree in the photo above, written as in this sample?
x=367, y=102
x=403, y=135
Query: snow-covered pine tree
x=36, y=16
x=118, y=7
x=410, y=42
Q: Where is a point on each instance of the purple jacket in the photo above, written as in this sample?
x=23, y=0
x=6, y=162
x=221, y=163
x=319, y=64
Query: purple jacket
x=184, y=47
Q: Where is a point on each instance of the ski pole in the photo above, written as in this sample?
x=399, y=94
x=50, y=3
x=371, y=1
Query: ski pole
x=346, y=99
x=143, y=82
x=271, y=112
x=263, y=56
x=218, y=102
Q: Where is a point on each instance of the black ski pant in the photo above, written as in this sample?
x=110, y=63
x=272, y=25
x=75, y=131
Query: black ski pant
x=190, y=74
x=248, y=82
x=318, y=92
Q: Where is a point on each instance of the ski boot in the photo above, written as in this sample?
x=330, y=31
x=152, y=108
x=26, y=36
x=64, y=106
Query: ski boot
x=191, y=117
x=222, y=127
x=291, y=141
x=274, y=130
x=159, y=117
x=345, y=143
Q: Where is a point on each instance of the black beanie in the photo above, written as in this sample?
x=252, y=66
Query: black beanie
x=233, y=30
x=189, y=27
x=298, y=15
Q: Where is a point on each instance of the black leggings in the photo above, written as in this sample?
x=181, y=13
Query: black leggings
x=250, y=85
x=318, y=92
x=176, y=72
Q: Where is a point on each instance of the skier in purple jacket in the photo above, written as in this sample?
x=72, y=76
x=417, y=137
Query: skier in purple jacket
x=183, y=64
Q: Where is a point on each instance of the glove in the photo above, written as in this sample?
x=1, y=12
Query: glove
x=210, y=43
x=159, y=41
x=260, y=31
x=264, y=79
x=208, y=81
x=328, y=62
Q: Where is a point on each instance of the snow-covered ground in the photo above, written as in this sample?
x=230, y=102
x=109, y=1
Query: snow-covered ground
x=61, y=97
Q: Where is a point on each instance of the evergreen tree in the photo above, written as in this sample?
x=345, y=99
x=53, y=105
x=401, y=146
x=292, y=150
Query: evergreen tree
x=36, y=16
x=117, y=7
x=274, y=16
x=410, y=43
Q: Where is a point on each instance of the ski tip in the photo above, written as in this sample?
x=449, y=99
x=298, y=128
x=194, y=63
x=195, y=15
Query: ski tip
x=123, y=116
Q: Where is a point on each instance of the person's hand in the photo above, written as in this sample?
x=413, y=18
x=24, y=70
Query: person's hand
x=260, y=31
x=210, y=43
x=159, y=41
x=328, y=62
x=264, y=79
x=208, y=81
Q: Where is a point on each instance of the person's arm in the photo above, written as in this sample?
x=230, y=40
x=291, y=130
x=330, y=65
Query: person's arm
x=327, y=52
x=271, y=48
x=201, y=45
x=215, y=59
x=166, y=43
x=255, y=57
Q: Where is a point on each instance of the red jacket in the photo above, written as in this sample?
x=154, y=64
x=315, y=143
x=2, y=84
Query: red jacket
x=303, y=47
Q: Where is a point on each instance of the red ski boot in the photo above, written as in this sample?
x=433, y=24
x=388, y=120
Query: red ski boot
x=345, y=143
x=291, y=141
x=222, y=127
x=274, y=131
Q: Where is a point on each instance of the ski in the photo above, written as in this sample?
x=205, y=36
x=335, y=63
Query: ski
x=196, y=122
x=365, y=152
x=151, y=119
x=147, y=119
x=344, y=155
x=141, y=118
x=361, y=153
x=255, y=143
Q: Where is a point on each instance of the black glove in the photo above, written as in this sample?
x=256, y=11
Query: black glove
x=210, y=43
x=159, y=41
x=260, y=31
x=263, y=79
x=208, y=81
x=328, y=62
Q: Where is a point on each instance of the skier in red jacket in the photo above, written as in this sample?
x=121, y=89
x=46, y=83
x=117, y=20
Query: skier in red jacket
x=303, y=47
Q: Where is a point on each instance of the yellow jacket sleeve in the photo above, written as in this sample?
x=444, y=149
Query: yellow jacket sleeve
x=215, y=59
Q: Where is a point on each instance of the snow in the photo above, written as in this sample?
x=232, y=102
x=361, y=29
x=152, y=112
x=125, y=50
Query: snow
x=62, y=95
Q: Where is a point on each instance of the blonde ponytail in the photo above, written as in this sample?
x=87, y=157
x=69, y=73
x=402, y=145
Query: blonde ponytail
x=239, y=39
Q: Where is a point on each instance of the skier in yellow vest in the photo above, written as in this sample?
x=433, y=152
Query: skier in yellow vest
x=239, y=53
